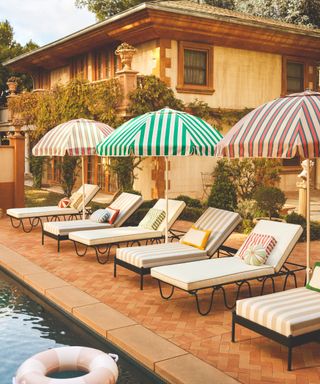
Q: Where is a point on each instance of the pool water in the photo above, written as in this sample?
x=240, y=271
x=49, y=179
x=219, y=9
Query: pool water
x=29, y=326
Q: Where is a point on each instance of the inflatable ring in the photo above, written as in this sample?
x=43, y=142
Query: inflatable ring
x=101, y=367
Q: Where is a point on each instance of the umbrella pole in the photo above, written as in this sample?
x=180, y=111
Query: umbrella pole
x=167, y=204
x=83, y=190
x=308, y=221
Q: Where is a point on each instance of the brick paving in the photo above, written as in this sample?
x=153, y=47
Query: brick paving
x=253, y=360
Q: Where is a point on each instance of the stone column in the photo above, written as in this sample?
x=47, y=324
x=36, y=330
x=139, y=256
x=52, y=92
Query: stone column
x=126, y=76
x=17, y=141
x=27, y=154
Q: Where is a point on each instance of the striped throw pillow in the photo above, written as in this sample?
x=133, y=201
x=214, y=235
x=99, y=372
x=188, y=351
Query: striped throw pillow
x=266, y=241
x=100, y=216
x=64, y=202
x=152, y=219
x=113, y=214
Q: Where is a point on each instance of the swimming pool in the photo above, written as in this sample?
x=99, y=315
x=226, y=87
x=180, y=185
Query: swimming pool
x=28, y=326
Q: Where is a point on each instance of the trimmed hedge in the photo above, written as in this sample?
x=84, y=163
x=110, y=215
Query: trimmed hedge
x=295, y=218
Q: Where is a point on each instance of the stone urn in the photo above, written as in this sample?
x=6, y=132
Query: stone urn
x=12, y=84
x=126, y=53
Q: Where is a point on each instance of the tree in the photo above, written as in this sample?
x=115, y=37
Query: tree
x=270, y=200
x=305, y=12
x=9, y=49
x=223, y=193
x=301, y=12
x=106, y=8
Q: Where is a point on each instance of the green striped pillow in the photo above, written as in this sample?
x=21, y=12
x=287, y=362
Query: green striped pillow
x=152, y=219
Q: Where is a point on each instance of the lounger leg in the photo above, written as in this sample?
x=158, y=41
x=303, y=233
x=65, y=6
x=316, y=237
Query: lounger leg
x=141, y=279
x=115, y=267
x=289, y=358
x=42, y=238
x=58, y=245
x=233, y=331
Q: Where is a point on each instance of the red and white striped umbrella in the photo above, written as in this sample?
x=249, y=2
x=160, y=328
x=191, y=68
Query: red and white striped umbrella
x=282, y=128
x=78, y=137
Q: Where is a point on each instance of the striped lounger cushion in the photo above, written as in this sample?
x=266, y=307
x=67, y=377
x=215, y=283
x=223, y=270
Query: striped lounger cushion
x=290, y=313
x=160, y=254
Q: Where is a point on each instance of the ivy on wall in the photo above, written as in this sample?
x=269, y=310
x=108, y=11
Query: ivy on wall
x=78, y=99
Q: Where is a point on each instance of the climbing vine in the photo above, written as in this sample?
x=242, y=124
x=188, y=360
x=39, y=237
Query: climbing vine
x=78, y=99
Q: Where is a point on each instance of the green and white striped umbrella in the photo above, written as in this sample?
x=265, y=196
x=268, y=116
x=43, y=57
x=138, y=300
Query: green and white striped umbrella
x=162, y=133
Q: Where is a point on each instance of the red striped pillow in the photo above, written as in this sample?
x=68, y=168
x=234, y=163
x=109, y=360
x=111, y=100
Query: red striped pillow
x=268, y=242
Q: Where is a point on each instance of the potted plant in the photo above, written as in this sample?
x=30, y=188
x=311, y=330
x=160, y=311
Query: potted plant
x=12, y=84
x=126, y=53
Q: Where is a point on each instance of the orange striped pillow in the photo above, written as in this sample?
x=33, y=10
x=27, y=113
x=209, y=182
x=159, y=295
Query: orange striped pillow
x=268, y=242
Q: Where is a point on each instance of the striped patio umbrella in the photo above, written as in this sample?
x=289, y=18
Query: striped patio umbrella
x=162, y=133
x=78, y=137
x=283, y=128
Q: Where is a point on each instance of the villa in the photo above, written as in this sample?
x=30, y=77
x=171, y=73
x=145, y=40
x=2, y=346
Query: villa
x=230, y=60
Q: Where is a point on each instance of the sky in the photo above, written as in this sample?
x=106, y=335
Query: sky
x=44, y=21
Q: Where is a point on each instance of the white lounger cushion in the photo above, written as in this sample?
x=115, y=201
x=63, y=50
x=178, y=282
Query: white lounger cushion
x=149, y=256
x=117, y=235
x=22, y=213
x=126, y=202
x=206, y=273
x=113, y=235
x=62, y=228
x=286, y=235
x=293, y=312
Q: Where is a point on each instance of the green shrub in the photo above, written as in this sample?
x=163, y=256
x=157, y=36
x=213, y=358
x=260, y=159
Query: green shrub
x=69, y=173
x=270, y=200
x=191, y=214
x=223, y=193
x=190, y=202
x=295, y=218
x=36, y=167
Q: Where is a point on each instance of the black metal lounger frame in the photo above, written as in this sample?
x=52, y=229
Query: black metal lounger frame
x=227, y=251
x=288, y=341
x=34, y=221
x=288, y=269
x=105, y=249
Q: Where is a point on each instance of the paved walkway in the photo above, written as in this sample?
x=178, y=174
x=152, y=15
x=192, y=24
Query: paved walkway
x=253, y=360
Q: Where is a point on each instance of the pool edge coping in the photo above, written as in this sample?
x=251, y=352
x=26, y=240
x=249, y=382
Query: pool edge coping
x=17, y=265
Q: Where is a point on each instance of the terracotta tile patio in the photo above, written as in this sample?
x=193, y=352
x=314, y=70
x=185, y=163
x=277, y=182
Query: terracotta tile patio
x=253, y=360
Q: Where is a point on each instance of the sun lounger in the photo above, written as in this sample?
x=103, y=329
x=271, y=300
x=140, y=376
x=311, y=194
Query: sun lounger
x=127, y=203
x=216, y=273
x=102, y=241
x=141, y=259
x=35, y=215
x=291, y=318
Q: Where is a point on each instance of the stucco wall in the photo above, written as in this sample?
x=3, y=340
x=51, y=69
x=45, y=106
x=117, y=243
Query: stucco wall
x=143, y=181
x=146, y=59
x=6, y=157
x=185, y=175
x=241, y=79
x=59, y=76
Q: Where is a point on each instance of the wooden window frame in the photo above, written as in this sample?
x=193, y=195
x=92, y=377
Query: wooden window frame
x=190, y=88
x=307, y=78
